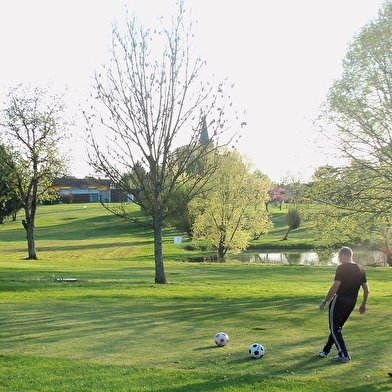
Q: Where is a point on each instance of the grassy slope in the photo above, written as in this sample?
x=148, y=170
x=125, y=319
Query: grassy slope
x=114, y=330
x=300, y=238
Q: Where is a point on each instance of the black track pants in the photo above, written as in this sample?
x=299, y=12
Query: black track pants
x=340, y=309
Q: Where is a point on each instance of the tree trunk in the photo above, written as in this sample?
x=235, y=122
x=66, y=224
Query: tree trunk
x=221, y=249
x=29, y=227
x=29, y=222
x=158, y=254
x=389, y=258
x=221, y=253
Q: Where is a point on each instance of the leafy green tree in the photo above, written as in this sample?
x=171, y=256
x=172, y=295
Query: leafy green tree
x=232, y=210
x=181, y=217
x=10, y=203
x=293, y=219
x=150, y=100
x=359, y=109
x=342, y=213
x=32, y=125
x=357, y=117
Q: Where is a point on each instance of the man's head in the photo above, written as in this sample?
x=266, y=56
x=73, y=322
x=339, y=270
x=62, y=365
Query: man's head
x=345, y=254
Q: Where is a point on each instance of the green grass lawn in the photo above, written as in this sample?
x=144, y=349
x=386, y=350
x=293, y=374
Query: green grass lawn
x=115, y=330
x=301, y=238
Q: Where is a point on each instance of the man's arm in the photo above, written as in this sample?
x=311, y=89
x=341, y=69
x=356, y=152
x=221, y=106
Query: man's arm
x=332, y=291
x=365, y=287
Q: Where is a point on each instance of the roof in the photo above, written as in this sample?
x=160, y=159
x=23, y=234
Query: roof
x=81, y=183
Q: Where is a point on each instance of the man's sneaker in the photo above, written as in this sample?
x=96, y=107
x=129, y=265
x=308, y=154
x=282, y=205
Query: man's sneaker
x=322, y=354
x=341, y=359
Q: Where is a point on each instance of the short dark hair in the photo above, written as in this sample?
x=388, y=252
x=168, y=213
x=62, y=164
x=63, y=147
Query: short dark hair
x=346, y=251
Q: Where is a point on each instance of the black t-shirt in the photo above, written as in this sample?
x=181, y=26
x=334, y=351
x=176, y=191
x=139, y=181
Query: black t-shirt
x=351, y=276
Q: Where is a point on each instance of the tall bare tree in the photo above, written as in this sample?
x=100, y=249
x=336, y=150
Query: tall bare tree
x=150, y=101
x=33, y=126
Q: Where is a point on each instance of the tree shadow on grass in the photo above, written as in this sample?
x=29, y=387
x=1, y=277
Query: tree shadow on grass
x=77, y=229
x=119, y=329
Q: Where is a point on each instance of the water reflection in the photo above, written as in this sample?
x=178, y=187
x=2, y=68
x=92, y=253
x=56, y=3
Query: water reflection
x=362, y=257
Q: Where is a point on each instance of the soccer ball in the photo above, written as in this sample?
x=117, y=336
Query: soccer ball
x=221, y=339
x=256, y=350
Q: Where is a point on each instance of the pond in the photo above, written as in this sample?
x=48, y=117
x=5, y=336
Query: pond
x=305, y=257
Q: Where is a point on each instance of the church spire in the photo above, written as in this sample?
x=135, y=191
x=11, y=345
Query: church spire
x=204, y=138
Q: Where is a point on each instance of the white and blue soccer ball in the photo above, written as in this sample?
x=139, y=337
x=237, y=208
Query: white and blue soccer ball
x=256, y=350
x=221, y=339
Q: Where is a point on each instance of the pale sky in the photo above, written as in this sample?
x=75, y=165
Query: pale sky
x=282, y=56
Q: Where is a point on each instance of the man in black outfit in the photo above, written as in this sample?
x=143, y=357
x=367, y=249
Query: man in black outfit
x=349, y=277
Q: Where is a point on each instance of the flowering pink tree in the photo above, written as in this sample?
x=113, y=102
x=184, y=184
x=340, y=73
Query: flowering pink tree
x=277, y=196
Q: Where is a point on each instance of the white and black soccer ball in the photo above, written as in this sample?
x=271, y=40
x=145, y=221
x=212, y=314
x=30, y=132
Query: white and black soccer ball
x=221, y=339
x=256, y=350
